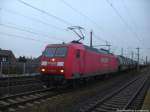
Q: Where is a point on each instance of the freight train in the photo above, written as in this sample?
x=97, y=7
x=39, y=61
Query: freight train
x=74, y=60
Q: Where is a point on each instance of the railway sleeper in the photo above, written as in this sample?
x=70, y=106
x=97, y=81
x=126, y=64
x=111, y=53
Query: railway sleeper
x=106, y=108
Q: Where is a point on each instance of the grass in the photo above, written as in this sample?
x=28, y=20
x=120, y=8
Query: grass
x=146, y=104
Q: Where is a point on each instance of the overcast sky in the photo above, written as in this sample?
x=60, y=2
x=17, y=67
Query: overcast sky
x=123, y=23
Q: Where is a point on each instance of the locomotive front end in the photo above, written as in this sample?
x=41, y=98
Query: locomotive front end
x=53, y=61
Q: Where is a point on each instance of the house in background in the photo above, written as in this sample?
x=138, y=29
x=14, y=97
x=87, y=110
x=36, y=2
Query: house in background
x=7, y=56
x=9, y=64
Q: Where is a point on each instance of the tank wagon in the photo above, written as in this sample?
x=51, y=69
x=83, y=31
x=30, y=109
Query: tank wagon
x=126, y=63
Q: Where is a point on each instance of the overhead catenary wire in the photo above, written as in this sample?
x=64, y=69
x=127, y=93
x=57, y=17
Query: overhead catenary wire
x=77, y=11
x=42, y=11
x=128, y=13
x=93, y=35
x=99, y=38
x=82, y=14
x=32, y=18
x=123, y=20
x=27, y=30
x=22, y=37
x=46, y=13
x=130, y=16
x=89, y=19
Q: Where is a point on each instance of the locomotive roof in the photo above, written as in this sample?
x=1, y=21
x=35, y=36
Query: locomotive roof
x=63, y=44
x=103, y=51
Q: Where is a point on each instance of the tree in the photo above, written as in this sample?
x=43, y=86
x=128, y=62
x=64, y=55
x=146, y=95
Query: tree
x=22, y=59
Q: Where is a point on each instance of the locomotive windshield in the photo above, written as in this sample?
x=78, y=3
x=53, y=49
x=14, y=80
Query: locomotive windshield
x=55, y=52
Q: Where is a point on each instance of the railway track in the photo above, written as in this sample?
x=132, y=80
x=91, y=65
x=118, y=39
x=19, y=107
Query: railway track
x=17, y=80
x=14, y=101
x=119, y=99
x=15, y=85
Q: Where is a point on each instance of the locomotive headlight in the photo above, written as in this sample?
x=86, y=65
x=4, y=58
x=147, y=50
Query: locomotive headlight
x=44, y=63
x=43, y=70
x=62, y=71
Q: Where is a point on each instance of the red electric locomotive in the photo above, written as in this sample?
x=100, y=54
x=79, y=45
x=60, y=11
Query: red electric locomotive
x=75, y=60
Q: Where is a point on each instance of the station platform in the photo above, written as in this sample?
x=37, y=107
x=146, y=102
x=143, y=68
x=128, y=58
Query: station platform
x=146, y=104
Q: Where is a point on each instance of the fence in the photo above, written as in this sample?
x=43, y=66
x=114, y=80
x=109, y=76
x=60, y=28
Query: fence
x=18, y=68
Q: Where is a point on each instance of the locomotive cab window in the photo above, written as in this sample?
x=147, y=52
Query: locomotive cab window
x=77, y=53
x=49, y=52
x=55, y=52
x=61, y=52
